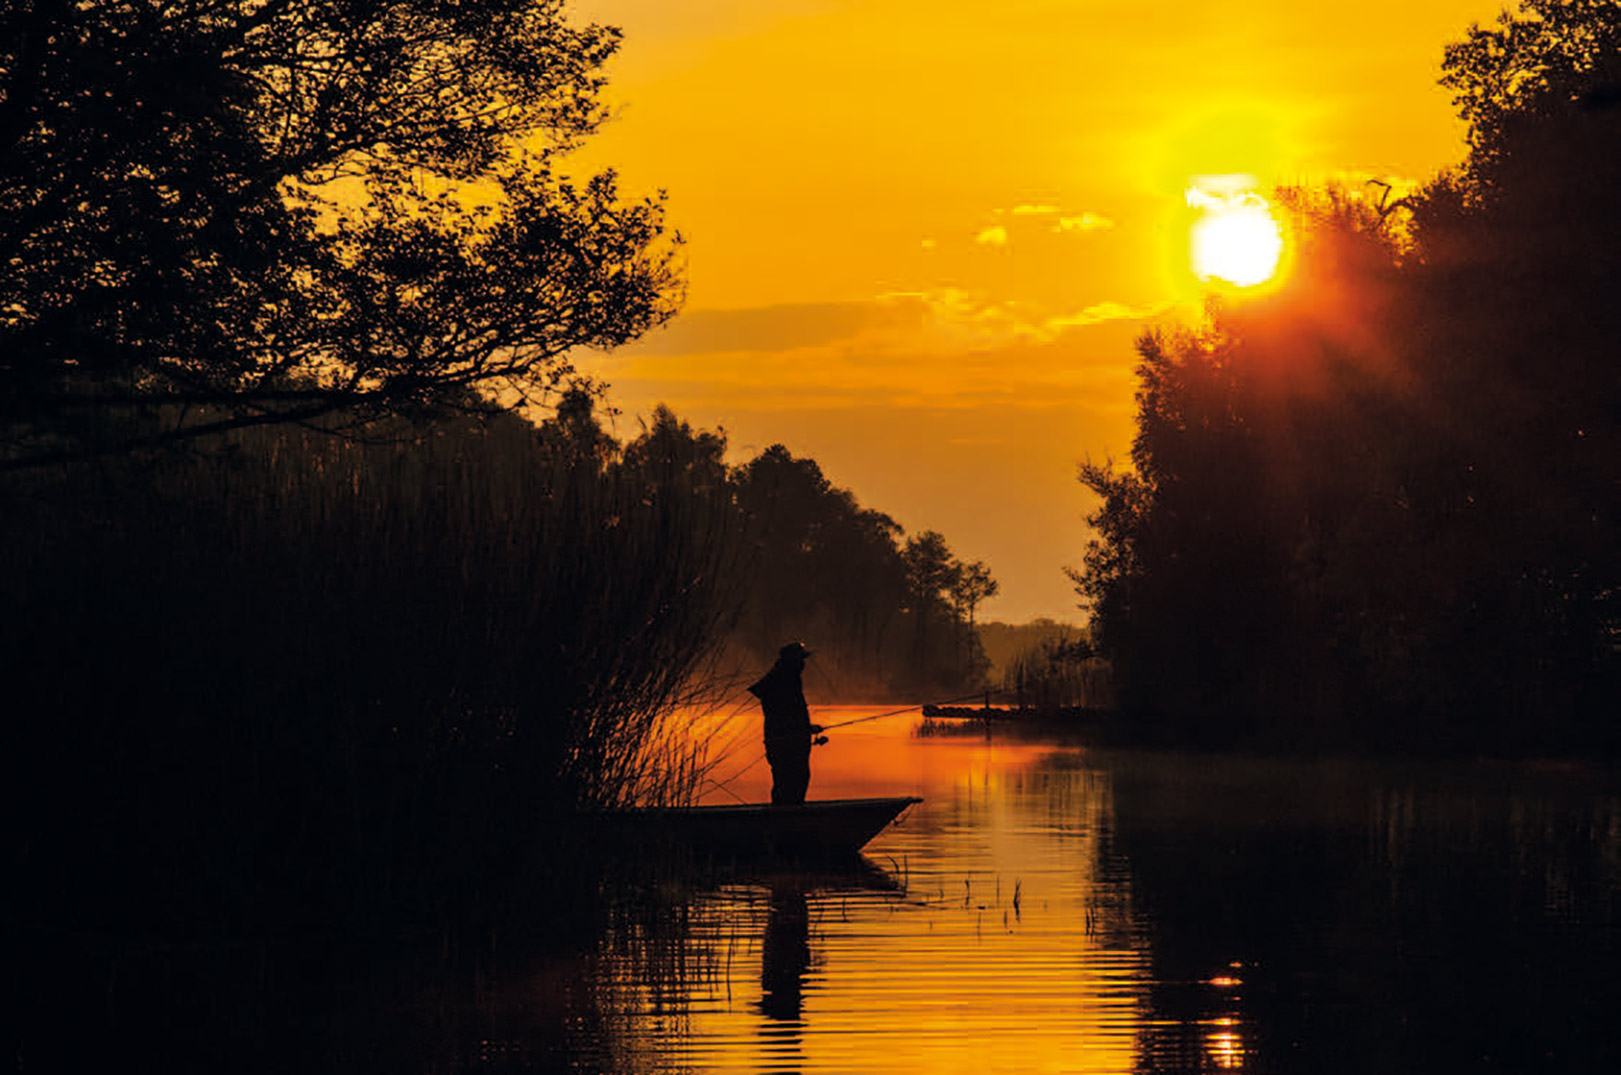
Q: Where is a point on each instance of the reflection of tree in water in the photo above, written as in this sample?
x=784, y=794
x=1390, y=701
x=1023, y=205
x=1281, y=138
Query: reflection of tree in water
x=603, y=988
x=1341, y=917
x=498, y=999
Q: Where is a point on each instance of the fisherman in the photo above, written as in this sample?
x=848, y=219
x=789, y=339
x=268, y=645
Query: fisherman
x=788, y=727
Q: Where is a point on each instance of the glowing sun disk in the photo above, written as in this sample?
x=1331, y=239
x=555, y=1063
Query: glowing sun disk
x=1235, y=238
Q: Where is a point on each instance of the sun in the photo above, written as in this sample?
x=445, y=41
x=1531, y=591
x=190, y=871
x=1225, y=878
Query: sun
x=1235, y=239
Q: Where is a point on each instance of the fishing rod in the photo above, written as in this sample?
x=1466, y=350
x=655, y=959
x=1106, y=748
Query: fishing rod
x=880, y=716
x=898, y=712
x=821, y=738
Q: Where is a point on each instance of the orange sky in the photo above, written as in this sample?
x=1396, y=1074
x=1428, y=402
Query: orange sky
x=922, y=234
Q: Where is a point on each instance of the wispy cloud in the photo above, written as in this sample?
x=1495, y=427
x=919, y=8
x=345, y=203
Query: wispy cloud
x=783, y=327
x=1083, y=223
x=948, y=323
x=1086, y=367
x=1053, y=218
x=1107, y=311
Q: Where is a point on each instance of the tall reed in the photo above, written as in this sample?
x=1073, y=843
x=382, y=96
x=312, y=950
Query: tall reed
x=291, y=667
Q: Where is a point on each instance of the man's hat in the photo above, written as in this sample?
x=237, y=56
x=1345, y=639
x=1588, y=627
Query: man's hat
x=794, y=649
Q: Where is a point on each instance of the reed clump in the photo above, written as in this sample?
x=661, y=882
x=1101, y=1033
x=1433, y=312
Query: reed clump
x=1059, y=674
x=288, y=669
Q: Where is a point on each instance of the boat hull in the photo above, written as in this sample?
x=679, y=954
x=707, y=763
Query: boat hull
x=820, y=829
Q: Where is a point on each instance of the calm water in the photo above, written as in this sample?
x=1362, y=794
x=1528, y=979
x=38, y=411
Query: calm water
x=1045, y=909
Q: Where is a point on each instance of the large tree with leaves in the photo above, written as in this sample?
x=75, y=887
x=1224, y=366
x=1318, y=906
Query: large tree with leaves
x=253, y=211
x=1382, y=505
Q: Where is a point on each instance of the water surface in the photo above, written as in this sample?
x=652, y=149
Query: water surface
x=1046, y=908
x=1052, y=908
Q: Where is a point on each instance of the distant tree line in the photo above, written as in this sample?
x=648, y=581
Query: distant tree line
x=886, y=615
x=1008, y=643
x=1381, y=506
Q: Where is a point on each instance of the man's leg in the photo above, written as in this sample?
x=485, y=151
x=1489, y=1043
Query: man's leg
x=790, y=774
x=797, y=775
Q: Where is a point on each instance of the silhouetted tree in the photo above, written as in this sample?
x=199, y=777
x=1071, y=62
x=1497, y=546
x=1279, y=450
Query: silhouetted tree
x=834, y=574
x=243, y=213
x=974, y=584
x=930, y=573
x=670, y=453
x=784, y=502
x=574, y=438
x=1380, y=505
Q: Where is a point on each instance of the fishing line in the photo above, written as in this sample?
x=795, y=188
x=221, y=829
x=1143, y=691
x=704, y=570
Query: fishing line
x=722, y=784
x=898, y=712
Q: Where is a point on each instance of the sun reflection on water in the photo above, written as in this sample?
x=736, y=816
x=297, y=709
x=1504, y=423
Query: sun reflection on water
x=988, y=931
x=1226, y=1048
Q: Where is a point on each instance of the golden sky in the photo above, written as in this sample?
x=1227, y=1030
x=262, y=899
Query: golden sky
x=922, y=234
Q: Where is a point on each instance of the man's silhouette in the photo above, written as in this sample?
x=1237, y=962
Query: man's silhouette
x=788, y=727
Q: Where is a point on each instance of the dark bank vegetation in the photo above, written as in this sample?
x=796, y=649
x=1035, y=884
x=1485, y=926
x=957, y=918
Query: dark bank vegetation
x=284, y=667
x=379, y=671
x=281, y=669
x=1379, y=507
x=300, y=615
x=1046, y=666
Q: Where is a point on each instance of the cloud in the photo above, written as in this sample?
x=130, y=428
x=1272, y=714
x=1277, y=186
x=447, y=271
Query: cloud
x=1083, y=223
x=942, y=350
x=1088, y=364
x=763, y=328
x=943, y=321
x=1107, y=311
x=1062, y=222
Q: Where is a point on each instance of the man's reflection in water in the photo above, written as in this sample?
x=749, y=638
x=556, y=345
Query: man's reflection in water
x=785, y=953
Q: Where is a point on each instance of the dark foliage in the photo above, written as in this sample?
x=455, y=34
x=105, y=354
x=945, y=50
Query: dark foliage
x=1380, y=507
x=290, y=675
x=293, y=675
x=1351, y=916
x=243, y=213
x=886, y=615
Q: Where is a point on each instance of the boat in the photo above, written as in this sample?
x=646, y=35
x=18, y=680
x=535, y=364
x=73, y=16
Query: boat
x=819, y=829
x=1024, y=713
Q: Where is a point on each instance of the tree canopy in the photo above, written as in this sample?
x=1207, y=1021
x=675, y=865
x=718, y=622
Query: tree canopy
x=1380, y=506
x=258, y=211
